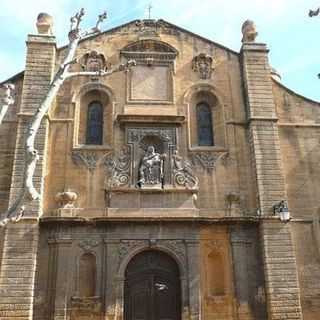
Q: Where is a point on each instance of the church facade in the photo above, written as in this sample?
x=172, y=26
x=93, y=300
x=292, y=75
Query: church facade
x=182, y=188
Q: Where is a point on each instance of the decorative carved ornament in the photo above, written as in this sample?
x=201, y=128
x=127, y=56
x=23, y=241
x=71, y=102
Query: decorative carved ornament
x=203, y=64
x=208, y=160
x=232, y=198
x=148, y=28
x=217, y=245
x=66, y=199
x=150, y=51
x=126, y=246
x=93, y=61
x=177, y=246
x=88, y=244
x=249, y=31
x=165, y=134
x=86, y=158
x=119, y=168
x=183, y=173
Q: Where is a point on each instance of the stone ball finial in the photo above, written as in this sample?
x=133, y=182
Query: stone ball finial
x=249, y=31
x=44, y=23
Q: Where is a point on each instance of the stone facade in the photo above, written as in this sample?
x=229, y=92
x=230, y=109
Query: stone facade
x=199, y=155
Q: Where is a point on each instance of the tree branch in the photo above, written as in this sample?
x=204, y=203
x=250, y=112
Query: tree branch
x=16, y=210
x=313, y=13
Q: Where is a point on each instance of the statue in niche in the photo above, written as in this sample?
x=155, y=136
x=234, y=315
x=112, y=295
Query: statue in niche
x=183, y=173
x=151, y=169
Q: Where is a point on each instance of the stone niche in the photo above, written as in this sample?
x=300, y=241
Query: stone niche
x=149, y=173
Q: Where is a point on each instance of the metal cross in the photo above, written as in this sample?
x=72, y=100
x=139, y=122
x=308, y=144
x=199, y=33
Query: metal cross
x=149, y=9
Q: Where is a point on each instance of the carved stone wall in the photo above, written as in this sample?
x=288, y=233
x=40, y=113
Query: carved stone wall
x=113, y=246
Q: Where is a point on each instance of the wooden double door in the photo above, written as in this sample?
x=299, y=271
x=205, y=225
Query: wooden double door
x=152, y=288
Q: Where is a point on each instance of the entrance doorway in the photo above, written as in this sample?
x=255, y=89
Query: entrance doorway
x=152, y=287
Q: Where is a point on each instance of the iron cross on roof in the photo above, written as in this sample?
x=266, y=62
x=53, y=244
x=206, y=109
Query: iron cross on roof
x=149, y=10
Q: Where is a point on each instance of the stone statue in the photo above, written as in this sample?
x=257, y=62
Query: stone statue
x=151, y=168
x=249, y=31
x=182, y=172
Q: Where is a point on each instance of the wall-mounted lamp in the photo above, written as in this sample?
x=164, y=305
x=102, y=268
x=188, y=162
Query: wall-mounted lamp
x=281, y=209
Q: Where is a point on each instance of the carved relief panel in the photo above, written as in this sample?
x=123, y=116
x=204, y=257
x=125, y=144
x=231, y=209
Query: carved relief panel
x=152, y=151
x=148, y=169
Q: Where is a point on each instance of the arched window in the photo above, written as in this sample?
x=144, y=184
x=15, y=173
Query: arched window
x=204, y=124
x=87, y=275
x=94, y=123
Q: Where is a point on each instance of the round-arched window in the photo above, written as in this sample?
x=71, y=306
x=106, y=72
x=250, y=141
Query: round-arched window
x=94, y=134
x=204, y=124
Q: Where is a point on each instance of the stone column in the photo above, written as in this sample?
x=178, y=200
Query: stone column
x=19, y=259
x=282, y=286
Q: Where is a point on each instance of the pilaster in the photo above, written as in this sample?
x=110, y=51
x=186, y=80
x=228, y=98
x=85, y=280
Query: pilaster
x=282, y=285
x=20, y=243
x=263, y=129
x=38, y=74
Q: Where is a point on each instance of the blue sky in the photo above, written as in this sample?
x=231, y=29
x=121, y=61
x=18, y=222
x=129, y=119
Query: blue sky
x=292, y=37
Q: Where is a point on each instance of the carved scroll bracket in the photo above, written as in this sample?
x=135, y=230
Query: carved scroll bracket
x=119, y=168
x=183, y=175
x=86, y=158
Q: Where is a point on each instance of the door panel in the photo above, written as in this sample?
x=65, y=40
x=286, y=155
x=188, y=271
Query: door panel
x=152, y=288
x=165, y=299
x=139, y=296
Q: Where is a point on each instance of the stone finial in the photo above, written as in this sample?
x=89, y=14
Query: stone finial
x=44, y=23
x=249, y=31
x=66, y=199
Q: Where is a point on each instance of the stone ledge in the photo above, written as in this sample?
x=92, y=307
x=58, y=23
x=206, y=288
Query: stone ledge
x=165, y=119
x=139, y=219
